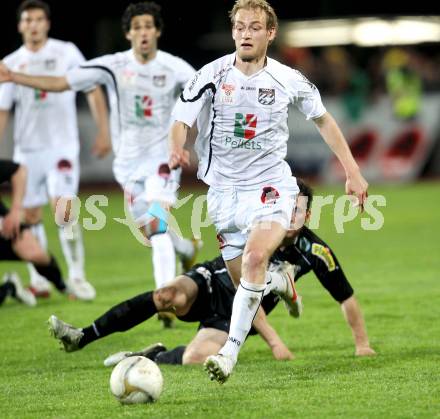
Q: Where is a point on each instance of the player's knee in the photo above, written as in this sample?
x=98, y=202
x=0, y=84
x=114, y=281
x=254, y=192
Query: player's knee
x=32, y=216
x=34, y=255
x=157, y=220
x=165, y=297
x=254, y=258
x=192, y=356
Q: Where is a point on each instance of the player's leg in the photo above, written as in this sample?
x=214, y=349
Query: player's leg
x=37, y=164
x=208, y=341
x=63, y=181
x=178, y=295
x=27, y=248
x=268, y=220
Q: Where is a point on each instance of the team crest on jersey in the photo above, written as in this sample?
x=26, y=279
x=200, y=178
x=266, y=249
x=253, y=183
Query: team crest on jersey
x=50, y=64
x=245, y=125
x=160, y=80
x=325, y=255
x=266, y=96
x=227, y=93
x=269, y=195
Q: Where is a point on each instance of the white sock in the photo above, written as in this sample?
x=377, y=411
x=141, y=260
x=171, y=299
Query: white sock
x=274, y=282
x=73, y=250
x=181, y=245
x=247, y=300
x=40, y=234
x=164, y=259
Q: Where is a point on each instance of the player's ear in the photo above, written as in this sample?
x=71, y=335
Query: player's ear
x=128, y=36
x=308, y=215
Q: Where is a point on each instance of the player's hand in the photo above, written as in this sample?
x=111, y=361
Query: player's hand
x=357, y=186
x=365, y=351
x=102, y=146
x=178, y=158
x=11, y=225
x=281, y=352
x=5, y=73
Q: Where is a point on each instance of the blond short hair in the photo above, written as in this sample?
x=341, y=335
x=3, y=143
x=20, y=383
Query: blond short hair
x=271, y=17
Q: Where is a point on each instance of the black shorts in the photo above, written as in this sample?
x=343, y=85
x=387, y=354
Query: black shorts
x=6, y=251
x=213, y=305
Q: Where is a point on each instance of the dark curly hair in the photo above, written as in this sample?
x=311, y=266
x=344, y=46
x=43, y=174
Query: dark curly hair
x=305, y=190
x=33, y=4
x=144, y=8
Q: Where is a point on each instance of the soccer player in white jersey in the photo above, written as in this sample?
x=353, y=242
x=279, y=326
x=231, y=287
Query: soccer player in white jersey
x=240, y=103
x=143, y=84
x=46, y=135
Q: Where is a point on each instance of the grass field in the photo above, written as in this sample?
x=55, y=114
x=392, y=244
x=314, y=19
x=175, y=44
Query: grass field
x=396, y=276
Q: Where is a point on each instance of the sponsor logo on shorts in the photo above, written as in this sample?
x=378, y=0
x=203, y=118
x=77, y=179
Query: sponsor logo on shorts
x=221, y=241
x=266, y=96
x=143, y=106
x=164, y=170
x=64, y=165
x=269, y=195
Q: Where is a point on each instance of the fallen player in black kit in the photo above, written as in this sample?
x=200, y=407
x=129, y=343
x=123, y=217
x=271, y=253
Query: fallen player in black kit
x=205, y=294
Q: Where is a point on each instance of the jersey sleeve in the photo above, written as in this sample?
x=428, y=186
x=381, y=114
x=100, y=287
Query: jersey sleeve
x=185, y=72
x=7, y=170
x=7, y=94
x=306, y=97
x=75, y=57
x=90, y=73
x=197, y=91
x=329, y=272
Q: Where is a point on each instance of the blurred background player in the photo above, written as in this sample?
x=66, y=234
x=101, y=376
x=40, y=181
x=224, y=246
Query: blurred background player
x=142, y=85
x=240, y=102
x=46, y=135
x=18, y=243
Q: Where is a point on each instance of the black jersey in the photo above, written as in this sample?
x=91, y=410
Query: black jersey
x=7, y=170
x=310, y=253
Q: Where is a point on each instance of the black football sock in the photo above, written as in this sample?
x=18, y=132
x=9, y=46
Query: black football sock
x=174, y=356
x=120, y=318
x=5, y=290
x=52, y=273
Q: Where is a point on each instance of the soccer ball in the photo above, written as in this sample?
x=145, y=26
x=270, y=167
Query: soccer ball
x=136, y=380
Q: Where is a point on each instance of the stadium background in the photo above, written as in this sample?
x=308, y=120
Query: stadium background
x=394, y=270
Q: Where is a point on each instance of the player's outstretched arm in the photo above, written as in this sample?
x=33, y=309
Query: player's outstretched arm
x=99, y=110
x=353, y=315
x=330, y=131
x=48, y=83
x=177, y=138
x=4, y=116
x=279, y=350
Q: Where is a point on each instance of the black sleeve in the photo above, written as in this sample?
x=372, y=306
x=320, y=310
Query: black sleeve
x=7, y=170
x=329, y=272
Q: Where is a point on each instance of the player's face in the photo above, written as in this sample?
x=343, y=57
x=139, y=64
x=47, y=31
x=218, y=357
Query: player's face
x=34, y=26
x=251, y=35
x=299, y=217
x=143, y=35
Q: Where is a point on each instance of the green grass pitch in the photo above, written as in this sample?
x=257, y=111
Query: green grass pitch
x=396, y=276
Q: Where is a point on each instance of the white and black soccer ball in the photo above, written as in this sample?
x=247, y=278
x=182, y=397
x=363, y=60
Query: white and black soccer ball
x=136, y=379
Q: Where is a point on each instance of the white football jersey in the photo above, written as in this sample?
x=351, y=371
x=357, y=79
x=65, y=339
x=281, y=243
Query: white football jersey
x=42, y=119
x=141, y=98
x=242, y=120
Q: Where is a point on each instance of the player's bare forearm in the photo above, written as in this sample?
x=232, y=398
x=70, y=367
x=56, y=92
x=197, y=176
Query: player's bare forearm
x=332, y=135
x=176, y=141
x=48, y=83
x=11, y=222
x=355, y=320
x=271, y=337
x=4, y=116
x=99, y=110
